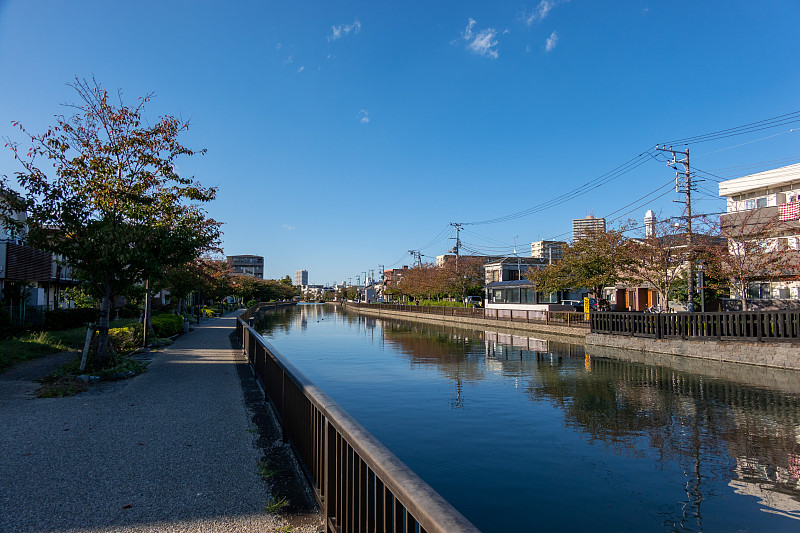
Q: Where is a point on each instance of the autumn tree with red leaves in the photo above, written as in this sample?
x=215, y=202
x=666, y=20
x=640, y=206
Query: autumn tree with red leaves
x=101, y=190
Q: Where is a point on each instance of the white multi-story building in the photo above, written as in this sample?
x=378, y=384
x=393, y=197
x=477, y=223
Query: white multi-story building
x=548, y=251
x=582, y=227
x=300, y=278
x=770, y=195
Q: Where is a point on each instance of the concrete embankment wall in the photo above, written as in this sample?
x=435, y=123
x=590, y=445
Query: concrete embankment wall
x=787, y=381
x=771, y=354
x=576, y=335
x=783, y=355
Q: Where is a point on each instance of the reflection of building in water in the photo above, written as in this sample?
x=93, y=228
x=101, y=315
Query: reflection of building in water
x=506, y=339
x=769, y=484
x=693, y=419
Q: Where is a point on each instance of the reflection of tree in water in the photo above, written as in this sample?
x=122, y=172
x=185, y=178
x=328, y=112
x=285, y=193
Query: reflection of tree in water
x=270, y=321
x=710, y=427
x=456, y=353
x=713, y=429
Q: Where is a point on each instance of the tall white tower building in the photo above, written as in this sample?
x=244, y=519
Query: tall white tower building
x=649, y=223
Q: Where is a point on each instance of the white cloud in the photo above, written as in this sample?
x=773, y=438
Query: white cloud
x=288, y=227
x=483, y=43
x=551, y=42
x=363, y=116
x=301, y=69
x=343, y=30
x=541, y=11
x=289, y=60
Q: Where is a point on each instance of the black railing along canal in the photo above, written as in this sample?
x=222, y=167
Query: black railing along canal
x=533, y=316
x=738, y=325
x=360, y=484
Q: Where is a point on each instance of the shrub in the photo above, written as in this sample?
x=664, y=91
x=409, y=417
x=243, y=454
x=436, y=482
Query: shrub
x=167, y=325
x=129, y=311
x=69, y=318
x=127, y=339
x=250, y=303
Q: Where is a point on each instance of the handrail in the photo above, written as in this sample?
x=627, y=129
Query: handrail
x=761, y=326
x=361, y=485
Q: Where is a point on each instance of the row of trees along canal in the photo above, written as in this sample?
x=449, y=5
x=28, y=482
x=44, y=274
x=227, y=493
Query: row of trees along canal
x=733, y=253
x=427, y=280
x=113, y=206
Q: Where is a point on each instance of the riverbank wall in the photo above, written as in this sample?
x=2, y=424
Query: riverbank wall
x=783, y=355
x=770, y=354
x=575, y=335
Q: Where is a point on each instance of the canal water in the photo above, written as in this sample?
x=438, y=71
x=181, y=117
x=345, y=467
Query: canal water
x=524, y=434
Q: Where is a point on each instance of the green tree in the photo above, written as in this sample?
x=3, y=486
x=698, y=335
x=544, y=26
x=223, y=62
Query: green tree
x=113, y=206
x=752, y=250
x=659, y=259
x=598, y=260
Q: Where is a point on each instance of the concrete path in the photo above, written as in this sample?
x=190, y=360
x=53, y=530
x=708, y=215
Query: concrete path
x=173, y=449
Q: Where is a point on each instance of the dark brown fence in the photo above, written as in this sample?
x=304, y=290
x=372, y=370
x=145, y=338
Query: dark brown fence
x=360, y=484
x=742, y=325
x=559, y=318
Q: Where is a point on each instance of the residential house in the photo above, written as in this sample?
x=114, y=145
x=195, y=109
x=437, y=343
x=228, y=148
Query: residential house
x=508, y=288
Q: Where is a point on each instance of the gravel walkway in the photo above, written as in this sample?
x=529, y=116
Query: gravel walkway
x=173, y=449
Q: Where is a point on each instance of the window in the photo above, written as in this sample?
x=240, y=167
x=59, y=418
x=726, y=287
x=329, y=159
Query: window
x=755, y=203
x=551, y=298
x=758, y=291
x=528, y=296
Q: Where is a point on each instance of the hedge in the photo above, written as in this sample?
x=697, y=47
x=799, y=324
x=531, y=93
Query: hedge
x=167, y=325
x=69, y=318
x=127, y=339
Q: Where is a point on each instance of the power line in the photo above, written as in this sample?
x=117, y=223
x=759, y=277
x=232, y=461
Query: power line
x=590, y=185
x=773, y=122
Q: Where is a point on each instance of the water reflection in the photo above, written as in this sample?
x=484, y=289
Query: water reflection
x=730, y=434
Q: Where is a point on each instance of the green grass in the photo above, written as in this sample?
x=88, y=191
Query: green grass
x=276, y=503
x=39, y=343
x=440, y=303
x=265, y=471
x=31, y=346
x=117, y=364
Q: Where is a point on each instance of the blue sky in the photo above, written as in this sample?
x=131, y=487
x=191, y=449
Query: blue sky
x=343, y=134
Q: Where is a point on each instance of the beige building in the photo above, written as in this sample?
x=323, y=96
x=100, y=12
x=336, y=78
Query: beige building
x=581, y=227
x=548, y=251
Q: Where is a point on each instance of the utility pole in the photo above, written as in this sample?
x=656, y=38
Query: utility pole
x=684, y=187
x=417, y=255
x=458, y=240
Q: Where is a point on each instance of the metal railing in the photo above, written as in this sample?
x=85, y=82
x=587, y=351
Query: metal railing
x=739, y=325
x=558, y=318
x=360, y=484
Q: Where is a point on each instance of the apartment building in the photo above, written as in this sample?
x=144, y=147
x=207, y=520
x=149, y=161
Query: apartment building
x=300, y=278
x=548, y=251
x=771, y=197
x=583, y=227
x=249, y=265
